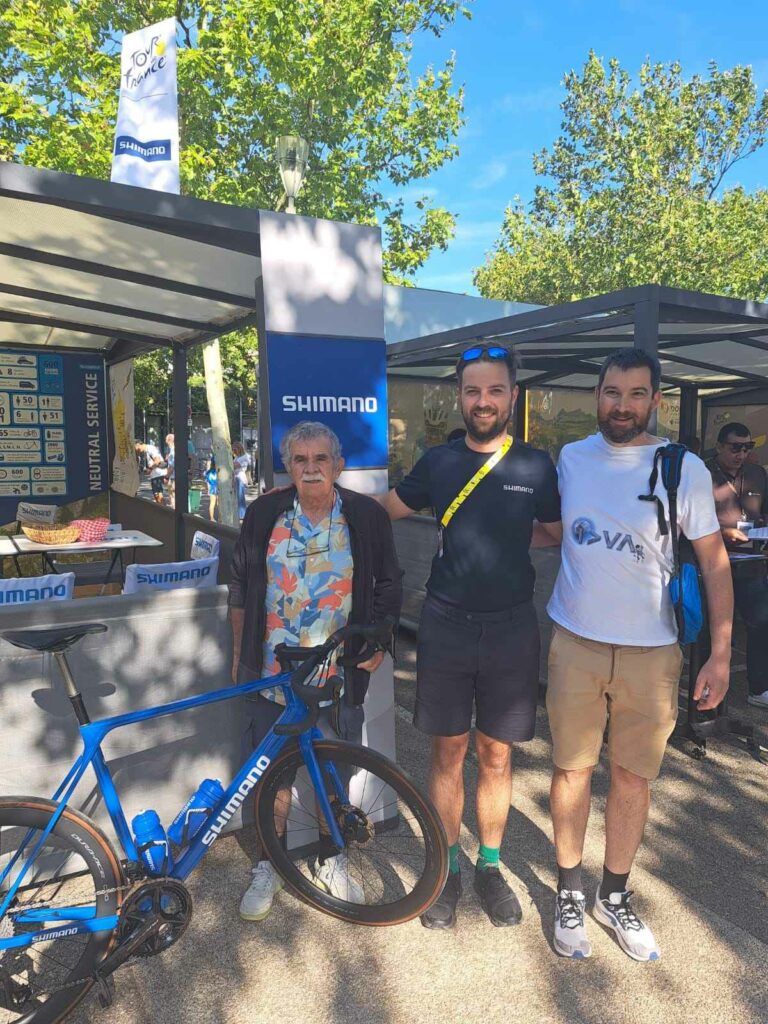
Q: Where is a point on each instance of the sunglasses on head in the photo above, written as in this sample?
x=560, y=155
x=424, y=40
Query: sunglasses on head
x=492, y=351
x=740, y=446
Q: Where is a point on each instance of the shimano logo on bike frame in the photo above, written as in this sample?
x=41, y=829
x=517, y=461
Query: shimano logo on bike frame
x=236, y=800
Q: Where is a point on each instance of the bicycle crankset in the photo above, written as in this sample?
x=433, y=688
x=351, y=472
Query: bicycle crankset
x=165, y=900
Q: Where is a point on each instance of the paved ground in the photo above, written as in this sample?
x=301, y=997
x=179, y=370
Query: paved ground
x=701, y=878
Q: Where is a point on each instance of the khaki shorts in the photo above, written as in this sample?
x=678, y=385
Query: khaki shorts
x=633, y=689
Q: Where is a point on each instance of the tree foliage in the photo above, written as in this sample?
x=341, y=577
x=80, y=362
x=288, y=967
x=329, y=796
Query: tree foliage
x=338, y=72
x=634, y=190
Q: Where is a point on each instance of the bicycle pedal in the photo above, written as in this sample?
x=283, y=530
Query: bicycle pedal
x=105, y=990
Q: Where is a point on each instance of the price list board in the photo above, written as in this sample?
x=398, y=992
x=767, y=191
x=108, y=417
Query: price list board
x=53, y=446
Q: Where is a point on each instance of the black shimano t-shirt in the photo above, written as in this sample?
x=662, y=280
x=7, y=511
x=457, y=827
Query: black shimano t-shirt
x=485, y=564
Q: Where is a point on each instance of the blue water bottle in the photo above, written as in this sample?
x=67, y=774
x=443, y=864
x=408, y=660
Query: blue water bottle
x=190, y=818
x=152, y=842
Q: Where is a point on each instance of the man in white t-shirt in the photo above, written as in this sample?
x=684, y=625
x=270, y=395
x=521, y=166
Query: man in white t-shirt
x=154, y=468
x=614, y=657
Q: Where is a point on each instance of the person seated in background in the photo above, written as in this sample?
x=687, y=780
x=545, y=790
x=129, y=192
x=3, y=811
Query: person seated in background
x=310, y=559
x=741, y=498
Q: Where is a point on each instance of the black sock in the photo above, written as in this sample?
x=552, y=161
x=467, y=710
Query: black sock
x=569, y=878
x=612, y=883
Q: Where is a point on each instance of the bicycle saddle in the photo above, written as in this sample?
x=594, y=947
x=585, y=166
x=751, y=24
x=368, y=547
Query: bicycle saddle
x=57, y=638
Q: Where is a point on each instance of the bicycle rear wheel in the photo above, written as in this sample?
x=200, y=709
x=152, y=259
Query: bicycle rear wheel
x=395, y=861
x=76, y=867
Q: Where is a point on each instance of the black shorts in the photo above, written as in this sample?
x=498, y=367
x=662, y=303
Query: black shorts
x=489, y=659
x=156, y=484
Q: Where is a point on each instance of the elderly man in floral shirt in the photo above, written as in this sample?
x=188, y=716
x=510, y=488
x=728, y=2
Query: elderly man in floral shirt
x=309, y=559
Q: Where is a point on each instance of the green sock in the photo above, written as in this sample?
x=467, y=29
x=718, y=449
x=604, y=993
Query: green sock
x=453, y=859
x=488, y=858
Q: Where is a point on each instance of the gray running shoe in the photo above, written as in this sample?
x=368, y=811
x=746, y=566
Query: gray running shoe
x=634, y=937
x=570, y=931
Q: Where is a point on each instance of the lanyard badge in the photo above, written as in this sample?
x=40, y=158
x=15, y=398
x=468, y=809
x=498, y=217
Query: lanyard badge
x=465, y=492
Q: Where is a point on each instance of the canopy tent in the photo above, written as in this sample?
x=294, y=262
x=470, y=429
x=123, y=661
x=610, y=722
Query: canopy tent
x=99, y=267
x=704, y=342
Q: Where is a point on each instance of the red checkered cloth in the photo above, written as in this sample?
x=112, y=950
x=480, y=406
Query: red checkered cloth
x=92, y=531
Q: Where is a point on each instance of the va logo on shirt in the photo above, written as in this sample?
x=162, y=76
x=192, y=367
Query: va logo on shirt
x=585, y=533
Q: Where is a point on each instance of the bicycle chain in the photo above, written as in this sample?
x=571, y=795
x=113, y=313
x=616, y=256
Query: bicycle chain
x=48, y=903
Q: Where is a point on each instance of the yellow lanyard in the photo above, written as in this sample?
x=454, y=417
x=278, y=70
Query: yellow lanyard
x=467, y=489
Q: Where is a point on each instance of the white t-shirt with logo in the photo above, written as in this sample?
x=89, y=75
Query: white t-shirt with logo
x=616, y=566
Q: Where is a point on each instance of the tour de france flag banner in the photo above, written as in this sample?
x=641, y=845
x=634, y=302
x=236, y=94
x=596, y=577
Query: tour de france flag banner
x=53, y=441
x=147, y=136
x=341, y=382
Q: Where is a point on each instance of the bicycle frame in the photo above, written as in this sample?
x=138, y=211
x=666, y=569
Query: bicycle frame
x=84, y=919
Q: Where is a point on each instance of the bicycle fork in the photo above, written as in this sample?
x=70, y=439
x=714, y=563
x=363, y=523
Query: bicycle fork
x=319, y=786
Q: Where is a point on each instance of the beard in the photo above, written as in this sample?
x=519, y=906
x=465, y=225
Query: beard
x=486, y=429
x=622, y=430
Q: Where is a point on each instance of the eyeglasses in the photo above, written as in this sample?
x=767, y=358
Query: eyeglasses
x=476, y=352
x=307, y=551
x=741, y=446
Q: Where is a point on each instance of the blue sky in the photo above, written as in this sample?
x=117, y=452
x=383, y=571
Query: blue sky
x=511, y=58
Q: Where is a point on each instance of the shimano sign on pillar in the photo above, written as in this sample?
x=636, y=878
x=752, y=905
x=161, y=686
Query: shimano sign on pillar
x=323, y=324
x=147, y=136
x=326, y=361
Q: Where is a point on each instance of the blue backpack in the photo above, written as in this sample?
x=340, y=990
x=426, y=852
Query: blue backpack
x=684, y=586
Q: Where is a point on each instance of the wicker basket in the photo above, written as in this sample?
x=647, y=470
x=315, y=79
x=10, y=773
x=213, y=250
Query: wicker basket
x=53, y=533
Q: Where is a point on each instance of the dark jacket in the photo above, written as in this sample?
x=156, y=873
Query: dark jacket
x=377, y=592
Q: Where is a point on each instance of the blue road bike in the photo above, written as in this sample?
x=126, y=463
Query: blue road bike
x=73, y=908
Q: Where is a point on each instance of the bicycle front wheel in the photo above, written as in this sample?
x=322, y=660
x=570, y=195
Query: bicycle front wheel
x=76, y=871
x=395, y=859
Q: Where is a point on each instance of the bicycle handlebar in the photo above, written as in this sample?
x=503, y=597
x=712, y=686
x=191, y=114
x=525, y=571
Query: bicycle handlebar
x=376, y=637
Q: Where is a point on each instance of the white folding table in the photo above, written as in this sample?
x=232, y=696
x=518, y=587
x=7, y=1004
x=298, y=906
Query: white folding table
x=11, y=546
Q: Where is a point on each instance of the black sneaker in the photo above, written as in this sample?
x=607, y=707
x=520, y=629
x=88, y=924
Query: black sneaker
x=442, y=913
x=496, y=898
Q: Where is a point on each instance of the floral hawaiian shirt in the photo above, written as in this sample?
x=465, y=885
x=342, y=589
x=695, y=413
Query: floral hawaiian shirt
x=309, y=595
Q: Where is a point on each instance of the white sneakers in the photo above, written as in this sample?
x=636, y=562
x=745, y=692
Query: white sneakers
x=333, y=875
x=634, y=937
x=616, y=913
x=758, y=700
x=570, y=932
x=257, y=901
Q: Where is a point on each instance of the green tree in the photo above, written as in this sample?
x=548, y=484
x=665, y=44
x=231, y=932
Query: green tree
x=634, y=190
x=338, y=72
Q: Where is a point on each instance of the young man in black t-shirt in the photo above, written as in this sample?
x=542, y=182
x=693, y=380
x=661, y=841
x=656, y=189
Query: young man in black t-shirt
x=478, y=636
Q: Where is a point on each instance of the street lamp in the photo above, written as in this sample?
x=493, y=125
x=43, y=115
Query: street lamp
x=292, y=153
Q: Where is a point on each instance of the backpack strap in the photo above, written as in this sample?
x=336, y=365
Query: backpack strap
x=651, y=496
x=671, y=471
x=670, y=457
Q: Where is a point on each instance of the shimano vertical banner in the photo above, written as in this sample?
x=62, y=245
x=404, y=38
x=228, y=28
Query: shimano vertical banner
x=146, y=149
x=322, y=357
x=324, y=346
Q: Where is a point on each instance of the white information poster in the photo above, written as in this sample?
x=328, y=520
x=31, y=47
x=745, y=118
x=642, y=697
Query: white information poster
x=125, y=471
x=146, y=149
